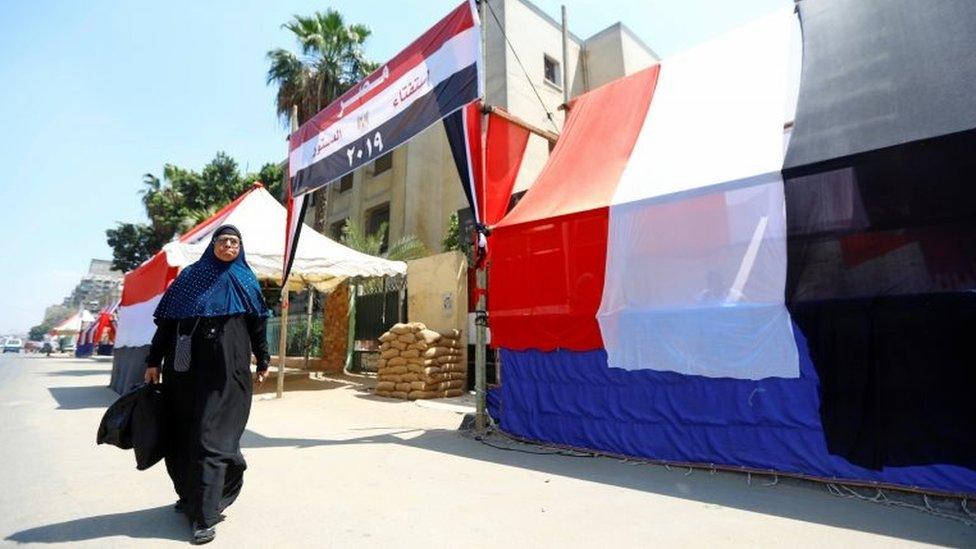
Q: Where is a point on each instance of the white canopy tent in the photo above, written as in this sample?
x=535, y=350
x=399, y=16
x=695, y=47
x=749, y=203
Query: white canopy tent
x=319, y=262
x=74, y=324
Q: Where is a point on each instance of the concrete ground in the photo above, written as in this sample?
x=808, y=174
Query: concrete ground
x=331, y=465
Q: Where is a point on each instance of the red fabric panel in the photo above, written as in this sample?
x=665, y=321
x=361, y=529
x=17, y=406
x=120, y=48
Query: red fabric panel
x=591, y=153
x=472, y=136
x=548, y=255
x=148, y=280
x=504, y=152
x=546, y=282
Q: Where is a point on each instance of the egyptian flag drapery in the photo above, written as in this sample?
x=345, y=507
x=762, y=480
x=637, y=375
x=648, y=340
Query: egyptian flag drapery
x=677, y=260
x=436, y=75
x=692, y=280
x=488, y=163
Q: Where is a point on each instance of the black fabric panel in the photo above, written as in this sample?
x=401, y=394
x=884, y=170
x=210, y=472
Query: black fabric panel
x=878, y=73
x=881, y=276
x=897, y=377
x=128, y=367
x=454, y=127
x=899, y=221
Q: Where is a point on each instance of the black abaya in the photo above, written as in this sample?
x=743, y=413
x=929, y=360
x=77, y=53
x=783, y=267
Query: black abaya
x=208, y=407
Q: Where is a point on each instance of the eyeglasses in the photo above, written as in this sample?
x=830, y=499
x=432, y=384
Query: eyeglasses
x=231, y=241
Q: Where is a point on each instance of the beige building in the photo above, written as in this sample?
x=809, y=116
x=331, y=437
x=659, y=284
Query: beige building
x=415, y=188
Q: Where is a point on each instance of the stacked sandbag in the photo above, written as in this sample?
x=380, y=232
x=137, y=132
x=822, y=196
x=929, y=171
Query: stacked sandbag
x=419, y=363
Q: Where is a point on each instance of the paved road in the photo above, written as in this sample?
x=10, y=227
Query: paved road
x=333, y=466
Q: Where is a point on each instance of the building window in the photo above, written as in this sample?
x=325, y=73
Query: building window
x=553, y=73
x=345, y=183
x=383, y=163
x=379, y=218
x=335, y=230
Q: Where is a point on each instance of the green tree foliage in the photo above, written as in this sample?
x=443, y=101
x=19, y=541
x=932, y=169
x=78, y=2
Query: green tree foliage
x=454, y=239
x=53, y=315
x=330, y=60
x=181, y=199
x=405, y=248
x=37, y=332
x=132, y=243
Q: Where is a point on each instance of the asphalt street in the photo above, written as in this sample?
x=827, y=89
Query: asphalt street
x=331, y=465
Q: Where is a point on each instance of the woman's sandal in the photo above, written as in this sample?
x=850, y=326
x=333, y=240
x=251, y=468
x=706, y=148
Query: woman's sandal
x=203, y=534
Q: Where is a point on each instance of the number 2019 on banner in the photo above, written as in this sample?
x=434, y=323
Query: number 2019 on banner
x=370, y=145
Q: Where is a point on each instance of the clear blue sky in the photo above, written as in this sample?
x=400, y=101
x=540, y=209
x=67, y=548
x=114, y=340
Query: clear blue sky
x=95, y=94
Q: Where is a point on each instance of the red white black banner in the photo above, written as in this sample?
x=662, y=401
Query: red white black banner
x=433, y=77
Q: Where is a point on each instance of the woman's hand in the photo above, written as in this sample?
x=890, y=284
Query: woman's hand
x=152, y=375
x=262, y=375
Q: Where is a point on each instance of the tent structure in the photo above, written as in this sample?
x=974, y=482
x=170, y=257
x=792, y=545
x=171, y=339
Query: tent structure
x=760, y=255
x=99, y=337
x=320, y=262
x=73, y=324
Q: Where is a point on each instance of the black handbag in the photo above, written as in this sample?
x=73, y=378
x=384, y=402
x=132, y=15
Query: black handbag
x=137, y=421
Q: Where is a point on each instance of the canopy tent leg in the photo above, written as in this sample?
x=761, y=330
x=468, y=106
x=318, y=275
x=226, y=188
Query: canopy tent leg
x=308, y=323
x=283, y=342
x=351, y=334
x=481, y=339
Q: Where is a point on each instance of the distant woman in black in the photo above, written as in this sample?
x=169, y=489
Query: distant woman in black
x=209, y=322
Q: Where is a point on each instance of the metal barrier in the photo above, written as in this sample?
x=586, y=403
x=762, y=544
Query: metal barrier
x=297, y=326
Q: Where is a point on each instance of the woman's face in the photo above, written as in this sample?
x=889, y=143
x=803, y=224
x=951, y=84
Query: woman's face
x=227, y=247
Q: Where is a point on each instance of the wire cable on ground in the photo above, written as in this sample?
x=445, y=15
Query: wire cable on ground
x=966, y=516
x=847, y=492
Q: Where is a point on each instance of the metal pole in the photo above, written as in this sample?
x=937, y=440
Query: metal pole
x=351, y=327
x=565, y=58
x=480, y=393
x=283, y=341
x=308, y=324
x=481, y=341
x=283, y=336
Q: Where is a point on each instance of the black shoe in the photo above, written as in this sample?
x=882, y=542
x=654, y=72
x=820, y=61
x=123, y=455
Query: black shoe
x=203, y=534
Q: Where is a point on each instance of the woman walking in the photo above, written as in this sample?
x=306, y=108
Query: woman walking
x=208, y=323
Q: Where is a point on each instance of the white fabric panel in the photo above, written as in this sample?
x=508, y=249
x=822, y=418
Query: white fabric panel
x=696, y=286
x=717, y=113
x=135, y=325
x=696, y=260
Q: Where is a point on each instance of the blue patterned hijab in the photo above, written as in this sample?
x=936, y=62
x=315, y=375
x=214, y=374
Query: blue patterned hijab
x=212, y=287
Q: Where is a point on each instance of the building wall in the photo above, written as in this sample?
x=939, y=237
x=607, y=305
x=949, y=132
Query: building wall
x=606, y=47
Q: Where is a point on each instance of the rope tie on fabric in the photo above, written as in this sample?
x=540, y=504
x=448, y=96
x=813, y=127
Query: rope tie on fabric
x=880, y=497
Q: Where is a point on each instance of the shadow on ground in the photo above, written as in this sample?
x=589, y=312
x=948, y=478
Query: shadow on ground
x=79, y=398
x=154, y=523
x=79, y=373
x=800, y=501
x=297, y=381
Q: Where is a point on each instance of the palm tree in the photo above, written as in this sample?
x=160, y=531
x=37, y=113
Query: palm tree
x=330, y=61
x=407, y=247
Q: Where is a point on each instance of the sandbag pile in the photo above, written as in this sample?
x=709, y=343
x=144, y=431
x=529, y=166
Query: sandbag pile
x=419, y=363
